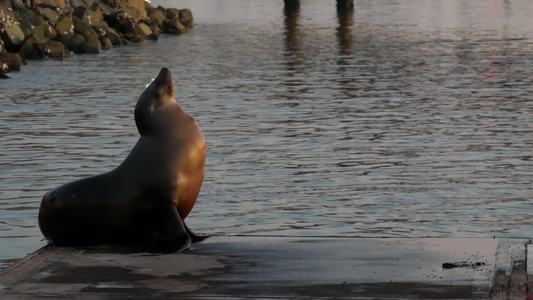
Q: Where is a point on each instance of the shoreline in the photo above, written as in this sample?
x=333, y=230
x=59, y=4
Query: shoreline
x=36, y=29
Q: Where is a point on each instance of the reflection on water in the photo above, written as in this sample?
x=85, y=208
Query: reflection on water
x=292, y=32
x=396, y=119
x=344, y=31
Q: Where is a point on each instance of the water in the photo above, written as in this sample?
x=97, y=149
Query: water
x=402, y=119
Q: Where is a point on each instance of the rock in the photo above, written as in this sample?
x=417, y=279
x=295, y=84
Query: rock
x=173, y=26
x=53, y=49
x=92, y=45
x=106, y=9
x=114, y=20
x=106, y=43
x=185, y=17
x=20, y=10
x=132, y=32
x=84, y=29
x=172, y=13
x=156, y=31
x=49, y=31
x=116, y=4
x=48, y=14
x=156, y=16
x=125, y=5
x=12, y=60
x=74, y=42
x=50, y=28
x=115, y=38
x=89, y=15
x=30, y=49
x=134, y=35
x=143, y=29
x=133, y=14
x=153, y=37
x=137, y=4
x=65, y=25
x=103, y=30
x=80, y=3
x=33, y=26
x=13, y=38
x=50, y=3
x=6, y=14
x=4, y=68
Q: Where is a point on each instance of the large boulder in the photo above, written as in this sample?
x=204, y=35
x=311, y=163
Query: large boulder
x=162, y=9
x=132, y=32
x=53, y=49
x=38, y=27
x=104, y=31
x=80, y=3
x=13, y=37
x=84, y=29
x=92, y=45
x=20, y=10
x=156, y=31
x=65, y=25
x=106, y=9
x=134, y=14
x=172, y=13
x=143, y=29
x=133, y=8
x=6, y=14
x=49, y=3
x=173, y=26
x=49, y=31
x=73, y=41
x=31, y=49
x=185, y=17
x=101, y=28
x=33, y=26
x=106, y=43
x=115, y=38
x=48, y=14
x=4, y=68
x=156, y=16
x=12, y=60
x=89, y=15
x=137, y=4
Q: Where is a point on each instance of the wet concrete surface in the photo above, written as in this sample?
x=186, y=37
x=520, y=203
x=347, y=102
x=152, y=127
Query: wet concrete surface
x=246, y=267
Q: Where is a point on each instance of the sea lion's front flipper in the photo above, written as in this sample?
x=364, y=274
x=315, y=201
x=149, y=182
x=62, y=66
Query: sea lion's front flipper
x=195, y=237
x=170, y=235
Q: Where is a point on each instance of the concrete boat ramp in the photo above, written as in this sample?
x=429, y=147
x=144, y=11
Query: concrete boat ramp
x=259, y=267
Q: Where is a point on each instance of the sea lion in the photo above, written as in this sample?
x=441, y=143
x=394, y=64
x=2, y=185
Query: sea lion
x=149, y=195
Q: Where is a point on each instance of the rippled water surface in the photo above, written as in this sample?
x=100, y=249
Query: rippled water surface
x=399, y=119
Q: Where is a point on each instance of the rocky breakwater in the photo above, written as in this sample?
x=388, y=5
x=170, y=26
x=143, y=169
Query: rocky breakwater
x=33, y=29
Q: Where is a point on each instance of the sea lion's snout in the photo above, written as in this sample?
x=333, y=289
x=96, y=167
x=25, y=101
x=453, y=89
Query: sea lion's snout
x=165, y=72
x=165, y=77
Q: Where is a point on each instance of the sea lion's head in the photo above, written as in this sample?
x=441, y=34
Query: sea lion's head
x=158, y=94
